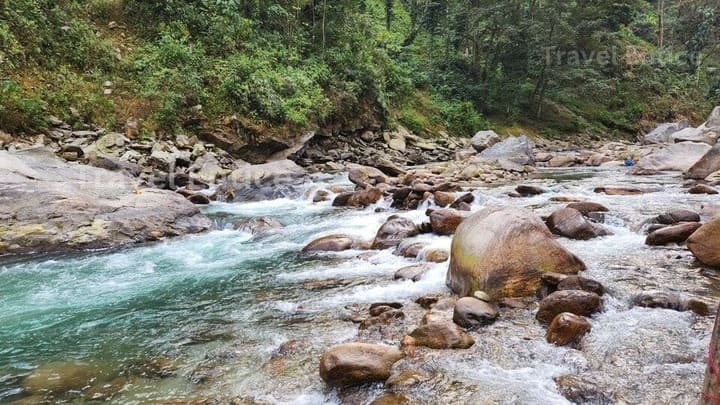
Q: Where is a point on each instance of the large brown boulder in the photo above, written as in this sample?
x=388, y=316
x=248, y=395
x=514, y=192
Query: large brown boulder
x=330, y=243
x=504, y=251
x=360, y=198
x=366, y=176
x=357, y=363
x=578, y=302
x=393, y=231
x=571, y=223
x=705, y=243
x=706, y=165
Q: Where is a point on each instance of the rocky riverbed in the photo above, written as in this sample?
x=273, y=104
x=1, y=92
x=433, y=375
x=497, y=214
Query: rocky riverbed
x=488, y=278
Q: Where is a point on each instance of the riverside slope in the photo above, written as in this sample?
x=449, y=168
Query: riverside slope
x=49, y=205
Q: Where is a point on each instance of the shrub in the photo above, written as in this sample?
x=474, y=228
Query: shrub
x=19, y=112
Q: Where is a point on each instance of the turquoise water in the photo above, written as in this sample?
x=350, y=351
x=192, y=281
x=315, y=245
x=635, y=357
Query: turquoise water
x=203, y=316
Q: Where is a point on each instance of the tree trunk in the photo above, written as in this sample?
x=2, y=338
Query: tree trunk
x=711, y=387
x=661, y=23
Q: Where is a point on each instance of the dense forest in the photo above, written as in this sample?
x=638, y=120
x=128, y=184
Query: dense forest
x=554, y=67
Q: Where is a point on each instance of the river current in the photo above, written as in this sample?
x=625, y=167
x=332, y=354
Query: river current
x=205, y=316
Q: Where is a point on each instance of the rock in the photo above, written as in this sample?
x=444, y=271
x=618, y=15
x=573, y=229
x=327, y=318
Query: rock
x=714, y=119
x=50, y=205
x=579, y=390
x=199, y=199
x=393, y=398
x=702, y=189
x=386, y=317
x=330, y=243
x=58, y=378
x=365, y=176
x=526, y=190
x=132, y=128
x=427, y=301
x=676, y=157
x=443, y=199
x=393, y=231
x=396, y=140
x=111, y=143
x=467, y=198
x=624, y=190
x=482, y=296
x=705, y=243
x=581, y=303
x=445, y=221
x=484, y=139
x=257, y=225
x=658, y=299
x=360, y=198
x=672, y=234
x=436, y=255
x=261, y=182
x=409, y=248
x=407, y=378
x=357, y=363
x=697, y=306
x=513, y=151
x=504, y=251
x=387, y=166
x=570, y=223
x=695, y=135
x=439, y=335
x=564, y=160
x=207, y=169
x=662, y=133
x=414, y=272
x=574, y=282
x=567, y=328
x=471, y=312
x=586, y=207
x=674, y=217
x=705, y=165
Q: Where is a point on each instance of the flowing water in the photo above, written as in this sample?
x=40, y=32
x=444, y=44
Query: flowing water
x=205, y=316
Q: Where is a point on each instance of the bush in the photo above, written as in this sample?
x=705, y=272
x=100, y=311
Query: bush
x=461, y=118
x=19, y=113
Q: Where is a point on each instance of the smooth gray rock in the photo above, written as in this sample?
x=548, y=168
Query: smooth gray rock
x=484, y=139
x=663, y=132
x=676, y=157
x=49, y=205
x=514, y=151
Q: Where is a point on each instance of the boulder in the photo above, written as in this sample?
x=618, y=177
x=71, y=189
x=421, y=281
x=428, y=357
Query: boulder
x=257, y=225
x=662, y=133
x=467, y=198
x=357, y=363
x=526, y=190
x=445, y=221
x=578, y=302
x=50, y=205
x=513, y=151
x=439, y=335
x=586, y=207
x=360, y=198
x=701, y=134
x=676, y=157
x=581, y=390
x=263, y=181
x=580, y=283
x=673, y=217
x=571, y=223
x=365, y=176
x=659, y=299
x=705, y=165
x=393, y=231
x=207, y=169
x=672, y=234
x=705, y=243
x=409, y=248
x=60, y=377
x=504, y=251
x=702, y=189
x=414, y=272
x=199, y=199
x=471, y=312
x=714, y=119
x=567, y=328
x=484, y=139
x=330, y=243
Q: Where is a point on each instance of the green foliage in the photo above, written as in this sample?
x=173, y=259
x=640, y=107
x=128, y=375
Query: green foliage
x=18, y=112
x=460, y=118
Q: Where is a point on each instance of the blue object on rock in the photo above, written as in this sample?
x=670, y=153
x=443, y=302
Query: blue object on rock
x=629, y=162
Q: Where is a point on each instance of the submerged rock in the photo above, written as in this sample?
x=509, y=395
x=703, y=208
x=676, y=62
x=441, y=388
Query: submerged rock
x=471, y=312
x=357, y=363
x=504, y=251
x=439, y=335
x=624, y=190
x=58, y=378
x=50, y=205
x=257, y=225
x=567, y=328
x=674, y=217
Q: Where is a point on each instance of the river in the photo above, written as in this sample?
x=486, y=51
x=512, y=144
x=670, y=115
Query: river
x=203, y=316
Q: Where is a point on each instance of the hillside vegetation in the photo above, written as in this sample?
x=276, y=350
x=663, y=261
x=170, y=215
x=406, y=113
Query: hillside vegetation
x=283, y=66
